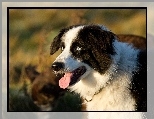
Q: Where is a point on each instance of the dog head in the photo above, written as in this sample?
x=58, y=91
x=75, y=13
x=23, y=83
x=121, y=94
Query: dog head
x=44, y=89
x=85, y=48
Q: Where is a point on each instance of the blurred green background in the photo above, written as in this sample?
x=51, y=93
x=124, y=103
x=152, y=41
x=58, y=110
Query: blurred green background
x=31, y=32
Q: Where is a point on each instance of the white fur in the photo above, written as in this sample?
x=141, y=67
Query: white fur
x=70, y=36
x=114, y=84
x=114, y=96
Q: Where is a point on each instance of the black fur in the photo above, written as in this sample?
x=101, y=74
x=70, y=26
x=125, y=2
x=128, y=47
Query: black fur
x=96, y=47
x=139, y=83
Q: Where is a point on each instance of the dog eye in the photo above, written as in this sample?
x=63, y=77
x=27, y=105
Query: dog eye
x=78, y=48
x=62, y=46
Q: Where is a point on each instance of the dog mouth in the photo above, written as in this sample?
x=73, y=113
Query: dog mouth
x=70, y=78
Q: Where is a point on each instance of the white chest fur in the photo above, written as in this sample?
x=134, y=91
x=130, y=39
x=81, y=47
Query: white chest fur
x=114, y=97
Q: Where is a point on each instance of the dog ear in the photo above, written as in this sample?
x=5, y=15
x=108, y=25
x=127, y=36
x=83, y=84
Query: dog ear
x=31, y=72
x=104, y=49
x=99, y=39
x=101, y=45
x=55, y=45
x=103, y=42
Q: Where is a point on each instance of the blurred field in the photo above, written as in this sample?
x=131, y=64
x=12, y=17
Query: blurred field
x=31, y=31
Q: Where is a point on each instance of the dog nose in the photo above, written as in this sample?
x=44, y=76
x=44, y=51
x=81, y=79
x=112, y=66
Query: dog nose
x=56, y=66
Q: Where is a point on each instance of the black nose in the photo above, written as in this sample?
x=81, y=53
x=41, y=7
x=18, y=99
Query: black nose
x=56, y=66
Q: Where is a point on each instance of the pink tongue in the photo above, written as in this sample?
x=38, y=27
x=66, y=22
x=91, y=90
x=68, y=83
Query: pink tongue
x=64, y=81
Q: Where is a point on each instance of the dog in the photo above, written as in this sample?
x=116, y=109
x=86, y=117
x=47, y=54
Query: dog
x=44, y=89
x=109, y=74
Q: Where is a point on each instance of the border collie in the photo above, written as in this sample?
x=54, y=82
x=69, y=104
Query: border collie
x=44, y=89
x=110, y=75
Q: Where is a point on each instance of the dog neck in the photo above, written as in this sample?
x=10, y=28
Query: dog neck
x=90, y=98
x=102, y=81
